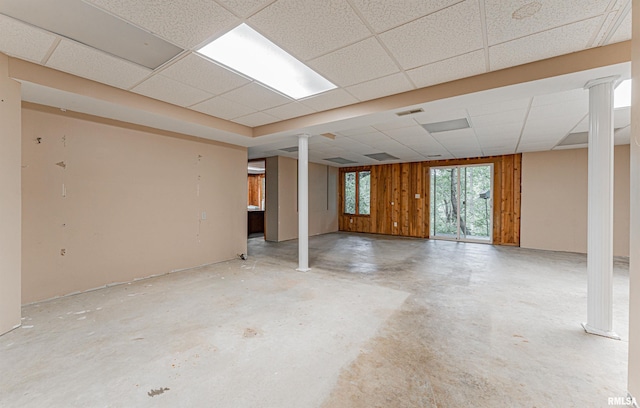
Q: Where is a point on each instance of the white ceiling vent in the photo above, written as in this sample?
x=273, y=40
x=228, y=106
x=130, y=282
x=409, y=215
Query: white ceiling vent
x=447, y=125
x=290, y=149
x=410, y=112
x=381, y=156
x=340, y=160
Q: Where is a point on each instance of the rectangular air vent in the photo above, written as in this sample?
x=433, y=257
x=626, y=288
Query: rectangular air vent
x=381, y=156
x=409, y=112
x=340, y=160
x=447, y=125
x=290, y=149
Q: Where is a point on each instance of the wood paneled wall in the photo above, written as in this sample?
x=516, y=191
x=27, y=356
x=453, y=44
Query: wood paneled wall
x=400, y=194
x=255, y=194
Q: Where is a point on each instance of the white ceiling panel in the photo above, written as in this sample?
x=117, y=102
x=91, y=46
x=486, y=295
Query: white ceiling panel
x=498, y=107
x=24, y=41
x=511, y=116
x=605, y=28
x=398, y=123
x=356, y=131
x=311, y=28
x=535, y=146
x=257, y=97
x=90, y=63
x=385, y=14
x=256, y=119
x=562, y=40
x=289, y=110
x=371, y=138
x=360, y=62
x=621, y=118
x=511, y=19
x=377, y=88
x=622, y=136
x=329, y=100
x=504, y=131
x=574, y=97
x=558, y=112
x=201, y=73
x=222, y=108
x=408, y=133
x=455, y=138
x=168, y=90
x=432, y=115
x=623, y=33
x=453, y=31
x=462, y=66
x=186, y=23
x=245, y=8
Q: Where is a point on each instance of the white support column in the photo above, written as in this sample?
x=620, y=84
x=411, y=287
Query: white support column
x=303, y=203
x=600, y=212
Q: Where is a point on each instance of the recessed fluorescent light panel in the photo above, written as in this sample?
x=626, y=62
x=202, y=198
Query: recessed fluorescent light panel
x=244, y=50
x=381, y=156
x=447, y=125
x=622, y=95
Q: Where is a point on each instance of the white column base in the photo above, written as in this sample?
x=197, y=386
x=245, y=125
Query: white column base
x=598, y=332
x=303, y=270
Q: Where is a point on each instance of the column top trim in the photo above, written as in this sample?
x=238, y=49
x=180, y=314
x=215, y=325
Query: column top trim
x=615, y=79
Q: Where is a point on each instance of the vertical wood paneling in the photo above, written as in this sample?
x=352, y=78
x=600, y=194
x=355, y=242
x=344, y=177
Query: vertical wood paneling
x=255, y=193
x=393, y=199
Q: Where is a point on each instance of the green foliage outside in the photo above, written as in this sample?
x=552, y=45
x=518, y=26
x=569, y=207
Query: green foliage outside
x=475, y=211
x=363, y=200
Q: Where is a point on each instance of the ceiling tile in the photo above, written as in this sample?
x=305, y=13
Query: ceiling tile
x=244, y=8
x=462, y=66
x=623, y=33
x=257, y=96
x=406, y=133
x=498, y=107
x=385, y=14
x=371, y=138
x=453, y=31
x=573, y=97
x=604, y=29
x=222, y=108
x=329, y=100
x=186, y=23
x=290, y=110
x=511, y=19
x=511, y=116
x=377, y=88
x=356, y=131
x=308, y=29
x=201, y=73
x=255, y=119
x=563, y=40
x=24, y=41
x=355, y=63
x=168, y=90
x=399, y=122
x=503, y=131
x=90, y=63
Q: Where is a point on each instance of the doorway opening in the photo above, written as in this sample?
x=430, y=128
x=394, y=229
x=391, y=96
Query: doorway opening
x=462, y=203
x=256, y=198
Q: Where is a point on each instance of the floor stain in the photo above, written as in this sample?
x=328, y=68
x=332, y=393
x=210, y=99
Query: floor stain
x=159, y=391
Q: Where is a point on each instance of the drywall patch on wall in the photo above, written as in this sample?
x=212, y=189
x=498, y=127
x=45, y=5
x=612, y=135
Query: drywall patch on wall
x=137, y=204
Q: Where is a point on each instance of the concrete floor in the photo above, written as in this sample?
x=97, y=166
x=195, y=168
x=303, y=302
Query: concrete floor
x=379, y=322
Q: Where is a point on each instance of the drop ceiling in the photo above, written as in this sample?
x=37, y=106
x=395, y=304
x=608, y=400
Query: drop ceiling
x=369, y=48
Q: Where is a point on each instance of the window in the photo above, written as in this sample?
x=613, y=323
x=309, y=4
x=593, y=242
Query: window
x=357, y=192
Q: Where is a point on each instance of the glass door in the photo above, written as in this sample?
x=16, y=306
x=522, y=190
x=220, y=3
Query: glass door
x=461, y=203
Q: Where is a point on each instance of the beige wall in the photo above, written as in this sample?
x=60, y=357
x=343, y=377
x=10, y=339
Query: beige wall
x=10, y=207
x=554, y=201
x=282, y=199
x=133, y=207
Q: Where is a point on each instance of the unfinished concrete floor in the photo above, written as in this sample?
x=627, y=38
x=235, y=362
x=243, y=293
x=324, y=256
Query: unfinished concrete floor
x=378, y=322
